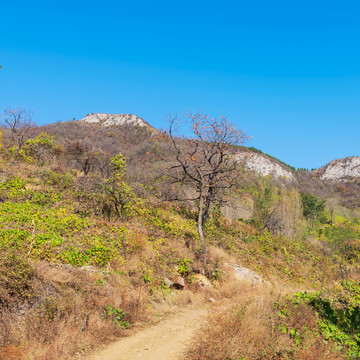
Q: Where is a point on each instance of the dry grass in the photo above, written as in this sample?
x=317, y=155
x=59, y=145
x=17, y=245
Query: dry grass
x=252, y=329
x=58, y=311
x=11, y=352
x=66, y=315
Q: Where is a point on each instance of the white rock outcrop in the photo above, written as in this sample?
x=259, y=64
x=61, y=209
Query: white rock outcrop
x=341, y=169
x=114, y=120
x=246, y=275
x=265, y=166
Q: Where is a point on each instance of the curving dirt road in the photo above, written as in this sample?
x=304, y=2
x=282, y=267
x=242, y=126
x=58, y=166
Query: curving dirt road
x=164, y=341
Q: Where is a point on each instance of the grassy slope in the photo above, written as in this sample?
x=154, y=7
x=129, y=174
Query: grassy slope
x=71, y=278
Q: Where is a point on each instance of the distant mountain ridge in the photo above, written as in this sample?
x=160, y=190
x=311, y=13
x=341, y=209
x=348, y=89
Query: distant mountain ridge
x=257, y=162
x=339, y=170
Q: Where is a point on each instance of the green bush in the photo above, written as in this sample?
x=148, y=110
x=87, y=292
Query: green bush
x=118, y=316
x=344, y=239
x=338, y=316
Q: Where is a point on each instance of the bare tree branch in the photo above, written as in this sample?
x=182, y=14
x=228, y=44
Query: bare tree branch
x=203, y=161
x=22, y=127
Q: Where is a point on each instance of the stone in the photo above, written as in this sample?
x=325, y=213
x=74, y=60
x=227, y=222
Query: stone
x=201, y=280
x=265, y=166
x=106, y=120
x=178, y=282
x=212, y=300
x=341, y=170
x=247, y=275
x=167, y=282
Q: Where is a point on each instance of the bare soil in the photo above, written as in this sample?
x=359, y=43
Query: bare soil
x=164, y=341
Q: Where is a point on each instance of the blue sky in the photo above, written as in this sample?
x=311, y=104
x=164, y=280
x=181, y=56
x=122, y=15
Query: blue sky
x=286, y=72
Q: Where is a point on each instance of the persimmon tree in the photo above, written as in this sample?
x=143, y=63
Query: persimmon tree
x=204, y=161
x=19, y=122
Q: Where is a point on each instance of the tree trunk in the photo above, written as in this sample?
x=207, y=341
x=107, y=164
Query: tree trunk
x=207, y=204
x=205, y=212
x=200, y=227
x=17, y=150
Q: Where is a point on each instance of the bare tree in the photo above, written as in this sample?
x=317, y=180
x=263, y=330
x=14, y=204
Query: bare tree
x=19, y=122
x=83, y=154
x=204, y=161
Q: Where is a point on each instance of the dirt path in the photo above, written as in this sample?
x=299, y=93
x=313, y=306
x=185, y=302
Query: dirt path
x=164, y=341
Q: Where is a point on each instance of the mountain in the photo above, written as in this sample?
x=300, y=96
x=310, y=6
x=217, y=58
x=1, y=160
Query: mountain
x=341, y=169
x=114, y=119
x=124, y=132
x=265, y=166
x=127, y=133
x=89, y=250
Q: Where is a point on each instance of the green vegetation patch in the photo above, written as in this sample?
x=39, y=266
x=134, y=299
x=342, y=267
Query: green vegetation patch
x=53, y=234
x=344, y=239
x=338, y=316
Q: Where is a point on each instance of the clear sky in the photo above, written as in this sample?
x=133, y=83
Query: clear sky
x=286, y=72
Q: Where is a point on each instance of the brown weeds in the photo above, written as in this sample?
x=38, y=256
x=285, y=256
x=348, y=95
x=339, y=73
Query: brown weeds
x=11, y=352
x=67, y=314
x=252, y=329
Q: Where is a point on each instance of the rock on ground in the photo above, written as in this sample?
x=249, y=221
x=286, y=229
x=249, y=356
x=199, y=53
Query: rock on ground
x=247, y=275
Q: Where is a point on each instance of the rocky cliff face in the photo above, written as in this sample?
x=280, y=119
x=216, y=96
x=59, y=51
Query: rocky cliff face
x=341, y=169
x=114, y=120
x=264, y=166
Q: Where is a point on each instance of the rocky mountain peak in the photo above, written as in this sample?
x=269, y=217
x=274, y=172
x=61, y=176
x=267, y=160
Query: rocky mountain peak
x=114, y=120
x=341, y=169
x=265, y=166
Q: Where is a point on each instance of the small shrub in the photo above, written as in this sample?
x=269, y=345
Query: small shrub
x=184, y=266
x=118, y=316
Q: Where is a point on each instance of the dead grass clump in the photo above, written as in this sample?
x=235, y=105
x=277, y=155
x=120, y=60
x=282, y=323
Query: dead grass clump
x=11, y=352
x=136, y=242
x=67, y=315
x=135, y=302
x=233, y=289
x=169, y=303
x=186, y=297
x=253, y=329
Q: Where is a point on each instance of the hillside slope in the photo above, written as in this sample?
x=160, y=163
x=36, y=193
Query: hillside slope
x=80, y=266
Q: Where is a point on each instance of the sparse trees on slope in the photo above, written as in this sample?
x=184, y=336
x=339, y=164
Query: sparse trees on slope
x=286, y=217
x=204, y=162
x=19, y=122
x=105, y=190
x=119, y=192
